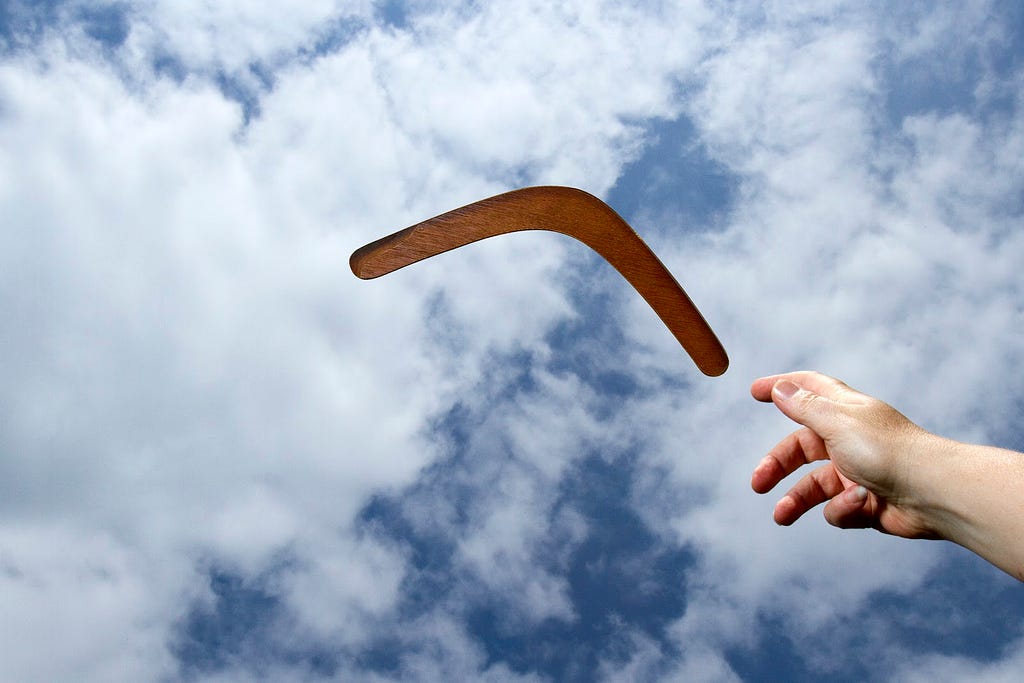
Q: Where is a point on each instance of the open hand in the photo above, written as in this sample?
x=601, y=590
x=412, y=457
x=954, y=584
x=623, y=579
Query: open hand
x=868, y=445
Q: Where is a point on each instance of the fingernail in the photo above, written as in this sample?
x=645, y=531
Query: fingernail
x=785, y=389
x=857, y=494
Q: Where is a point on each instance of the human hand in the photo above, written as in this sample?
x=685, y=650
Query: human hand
x=870, y=447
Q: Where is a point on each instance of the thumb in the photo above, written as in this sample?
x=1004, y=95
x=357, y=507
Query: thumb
x=805, y=407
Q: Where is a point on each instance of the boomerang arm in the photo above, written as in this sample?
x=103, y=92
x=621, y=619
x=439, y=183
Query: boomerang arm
x=564, y=210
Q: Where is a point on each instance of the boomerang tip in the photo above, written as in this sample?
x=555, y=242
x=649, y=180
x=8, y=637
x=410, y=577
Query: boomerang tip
x=370, y=260
x=715, y=367
x=357, y=262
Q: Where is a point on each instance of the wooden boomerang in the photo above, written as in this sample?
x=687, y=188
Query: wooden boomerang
x=568, y=211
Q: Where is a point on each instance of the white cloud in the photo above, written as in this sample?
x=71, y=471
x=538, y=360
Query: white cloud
x=175, y=378
x=193, y=378
x=946, y=668
x=233, y=35
x=87, y=600
x=885, y=259
x=193, y=372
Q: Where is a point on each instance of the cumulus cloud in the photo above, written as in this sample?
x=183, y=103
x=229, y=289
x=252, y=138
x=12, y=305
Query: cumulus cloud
x=938, y=667
x=226, y=458
x=881, y=254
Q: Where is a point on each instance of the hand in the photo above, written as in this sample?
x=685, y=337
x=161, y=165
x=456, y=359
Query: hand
x=870, y=447
x=885, y=472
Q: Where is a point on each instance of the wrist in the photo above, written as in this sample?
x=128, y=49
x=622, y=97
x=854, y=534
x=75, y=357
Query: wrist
x=971, y=495
x=927, y=488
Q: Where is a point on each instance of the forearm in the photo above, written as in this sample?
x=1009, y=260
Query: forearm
x=974, y=496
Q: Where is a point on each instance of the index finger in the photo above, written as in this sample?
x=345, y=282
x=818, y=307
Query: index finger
x=798, y=449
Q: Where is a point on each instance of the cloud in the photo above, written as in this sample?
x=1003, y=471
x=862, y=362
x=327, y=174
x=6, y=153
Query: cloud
x=937, y=667
x=242, y=462
x=193, y=376
x=880, y=255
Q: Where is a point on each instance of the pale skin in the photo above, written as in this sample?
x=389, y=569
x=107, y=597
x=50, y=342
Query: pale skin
x=885, y=472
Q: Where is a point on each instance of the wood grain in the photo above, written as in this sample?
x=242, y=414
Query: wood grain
x=564, y=210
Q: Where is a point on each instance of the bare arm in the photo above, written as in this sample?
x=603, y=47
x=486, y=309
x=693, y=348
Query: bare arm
x=885, y=472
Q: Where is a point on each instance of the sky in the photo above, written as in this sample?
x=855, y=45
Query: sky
x=225, y=458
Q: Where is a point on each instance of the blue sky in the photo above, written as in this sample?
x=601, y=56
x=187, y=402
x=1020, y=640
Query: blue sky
x=224, y=458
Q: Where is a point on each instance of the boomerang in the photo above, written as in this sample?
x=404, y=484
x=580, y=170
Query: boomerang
x=564, y=210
